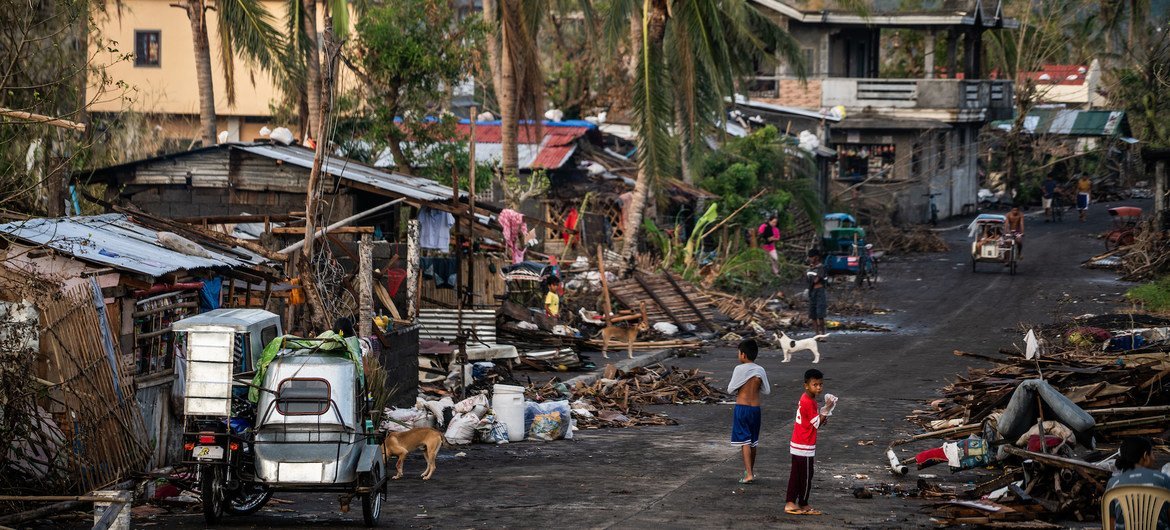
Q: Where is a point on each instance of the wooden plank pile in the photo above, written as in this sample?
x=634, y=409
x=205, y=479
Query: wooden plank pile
x=1126, y=394
x=668, y=298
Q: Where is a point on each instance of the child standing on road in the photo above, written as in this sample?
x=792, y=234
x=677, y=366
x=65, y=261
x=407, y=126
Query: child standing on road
x=748, y=381
x=804, y=445
x=818, y=298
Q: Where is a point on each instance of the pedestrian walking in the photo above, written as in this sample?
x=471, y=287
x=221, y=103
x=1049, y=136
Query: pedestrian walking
x=818, y=286
x=803, y=447
x=1084, y=187
x=769, y=233
x=748, y=381
x=1047, y=193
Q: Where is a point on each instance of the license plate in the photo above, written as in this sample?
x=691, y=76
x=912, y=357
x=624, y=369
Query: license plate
x=207, y=452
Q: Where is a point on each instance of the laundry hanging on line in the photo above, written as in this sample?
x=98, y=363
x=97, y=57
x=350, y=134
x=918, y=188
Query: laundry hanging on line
x=442, y=270
x=434, y=229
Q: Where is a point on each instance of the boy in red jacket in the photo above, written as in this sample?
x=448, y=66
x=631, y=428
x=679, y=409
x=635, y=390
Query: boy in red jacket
x=804, y=446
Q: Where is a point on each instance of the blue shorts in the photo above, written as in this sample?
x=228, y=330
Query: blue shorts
x=745, y=425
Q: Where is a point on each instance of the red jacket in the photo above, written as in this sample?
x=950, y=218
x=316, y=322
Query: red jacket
x=804, y=430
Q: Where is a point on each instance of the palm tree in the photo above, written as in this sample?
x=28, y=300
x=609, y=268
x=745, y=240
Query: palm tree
x=690, y=55
x=243, y=27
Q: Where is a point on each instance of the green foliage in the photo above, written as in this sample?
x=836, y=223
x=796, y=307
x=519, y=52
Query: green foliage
x=409, y=53
x=1154, y=295
x=1142, y=88
x=748, y=272
x=762, y=160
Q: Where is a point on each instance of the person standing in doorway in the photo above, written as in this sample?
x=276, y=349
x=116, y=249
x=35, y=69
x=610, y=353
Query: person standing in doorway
x=1084, y=187
x=769, y=234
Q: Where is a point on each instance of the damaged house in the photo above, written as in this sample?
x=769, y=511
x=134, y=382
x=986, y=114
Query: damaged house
x=103, y=292
x=901, y=140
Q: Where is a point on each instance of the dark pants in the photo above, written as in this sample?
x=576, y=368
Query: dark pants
x=800, y=480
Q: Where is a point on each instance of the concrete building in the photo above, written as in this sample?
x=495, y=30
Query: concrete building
x=161, y=72
x=901, y=138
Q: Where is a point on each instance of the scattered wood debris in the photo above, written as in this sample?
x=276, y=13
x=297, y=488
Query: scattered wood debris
x=614, y=400
x=668, y=298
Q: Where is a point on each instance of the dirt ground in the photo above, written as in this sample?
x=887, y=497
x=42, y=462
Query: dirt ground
x=685, y=476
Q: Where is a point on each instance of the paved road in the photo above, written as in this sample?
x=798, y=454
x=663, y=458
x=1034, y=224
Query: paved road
x=685, y=476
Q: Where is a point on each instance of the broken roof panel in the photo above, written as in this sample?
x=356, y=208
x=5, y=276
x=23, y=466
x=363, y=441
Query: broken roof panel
x=552, y=151
x=1072, y=122
x=417, y=188
x=117, y=241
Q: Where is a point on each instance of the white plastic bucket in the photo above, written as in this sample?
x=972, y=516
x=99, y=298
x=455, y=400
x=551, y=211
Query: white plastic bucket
x=508, y=406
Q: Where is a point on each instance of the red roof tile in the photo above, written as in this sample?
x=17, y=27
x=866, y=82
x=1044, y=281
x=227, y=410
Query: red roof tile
x=556, y=146
x=1057, y=74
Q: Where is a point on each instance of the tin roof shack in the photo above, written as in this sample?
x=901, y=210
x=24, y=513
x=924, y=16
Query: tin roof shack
x=900, y=139
x=1081, y=138
x=148, y=275
x=261, y=179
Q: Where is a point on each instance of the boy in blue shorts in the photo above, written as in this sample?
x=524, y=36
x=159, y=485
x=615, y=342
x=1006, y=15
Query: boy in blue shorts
x=748, y=381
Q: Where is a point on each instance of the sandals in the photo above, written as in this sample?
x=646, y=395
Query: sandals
x=803, y=511
x=747, y=481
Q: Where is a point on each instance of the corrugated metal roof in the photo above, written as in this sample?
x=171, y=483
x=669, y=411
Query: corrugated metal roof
x=1072, y=122
x=116, y=241
x=240, y=319
x=404, y=185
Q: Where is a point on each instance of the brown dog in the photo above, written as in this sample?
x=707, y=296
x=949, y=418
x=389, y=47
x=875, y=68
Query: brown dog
x=401, y=444
x=620, y=334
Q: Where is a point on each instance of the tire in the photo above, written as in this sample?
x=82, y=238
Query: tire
x=1012, y=264
x=251, y=497
x=1111, y=241
x=211, y=490
x=372, y=501
x=372, y=507
x=973, y=262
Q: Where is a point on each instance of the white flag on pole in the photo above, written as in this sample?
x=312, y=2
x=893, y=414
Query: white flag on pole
x=1032, y=348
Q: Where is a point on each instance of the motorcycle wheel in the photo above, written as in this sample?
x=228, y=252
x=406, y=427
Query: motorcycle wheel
x=211, y=489
x=249, y=499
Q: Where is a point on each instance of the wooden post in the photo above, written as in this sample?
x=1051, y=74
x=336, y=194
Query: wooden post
x=365, y=286
x=1159, y=194
x=412, y=270
x=471, y=210
x=607, y=307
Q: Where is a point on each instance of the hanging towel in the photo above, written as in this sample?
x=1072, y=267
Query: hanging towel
x=514, y=228
x=571, y=224
x=434, y=229
x=209, y=294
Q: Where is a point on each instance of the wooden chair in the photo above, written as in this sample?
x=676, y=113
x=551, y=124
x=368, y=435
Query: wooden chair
x=1140, y=506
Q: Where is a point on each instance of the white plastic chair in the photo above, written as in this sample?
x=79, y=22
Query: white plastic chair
x=1140, y=506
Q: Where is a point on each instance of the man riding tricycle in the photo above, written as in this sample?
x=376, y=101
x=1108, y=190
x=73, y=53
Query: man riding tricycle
x=293, y=416
x=994, y=242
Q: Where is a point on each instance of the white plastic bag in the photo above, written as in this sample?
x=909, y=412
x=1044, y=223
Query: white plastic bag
x=462, y=429
x=476, y=404
x=402, y=420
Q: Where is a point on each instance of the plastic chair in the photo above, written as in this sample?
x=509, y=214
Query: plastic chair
x=1140, y=506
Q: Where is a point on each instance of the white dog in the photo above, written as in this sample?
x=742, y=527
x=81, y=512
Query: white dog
x=789, y=345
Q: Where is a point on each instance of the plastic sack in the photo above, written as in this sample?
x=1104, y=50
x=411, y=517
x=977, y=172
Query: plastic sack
x=491, y=431
x=435, y=407
x=461, y=431
x=551, y=420
x=477, y=404
x=665, y=328
x=402, y=420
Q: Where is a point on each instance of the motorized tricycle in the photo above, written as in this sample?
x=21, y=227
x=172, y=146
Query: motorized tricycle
x=846, y=251
x=292, y=416
x=993, y=242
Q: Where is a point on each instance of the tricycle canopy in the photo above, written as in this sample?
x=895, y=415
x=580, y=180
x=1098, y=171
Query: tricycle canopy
x=834, y=221
x=1126, y=212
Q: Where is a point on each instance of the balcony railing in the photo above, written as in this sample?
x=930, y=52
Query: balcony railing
x=956, y=95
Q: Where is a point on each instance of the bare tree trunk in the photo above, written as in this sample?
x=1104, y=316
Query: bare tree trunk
x=313, y=72
x=655, y=29
x=509, y=126
x=635, y=45
x=684, y=147
x=490, y=12
x=195, y=14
